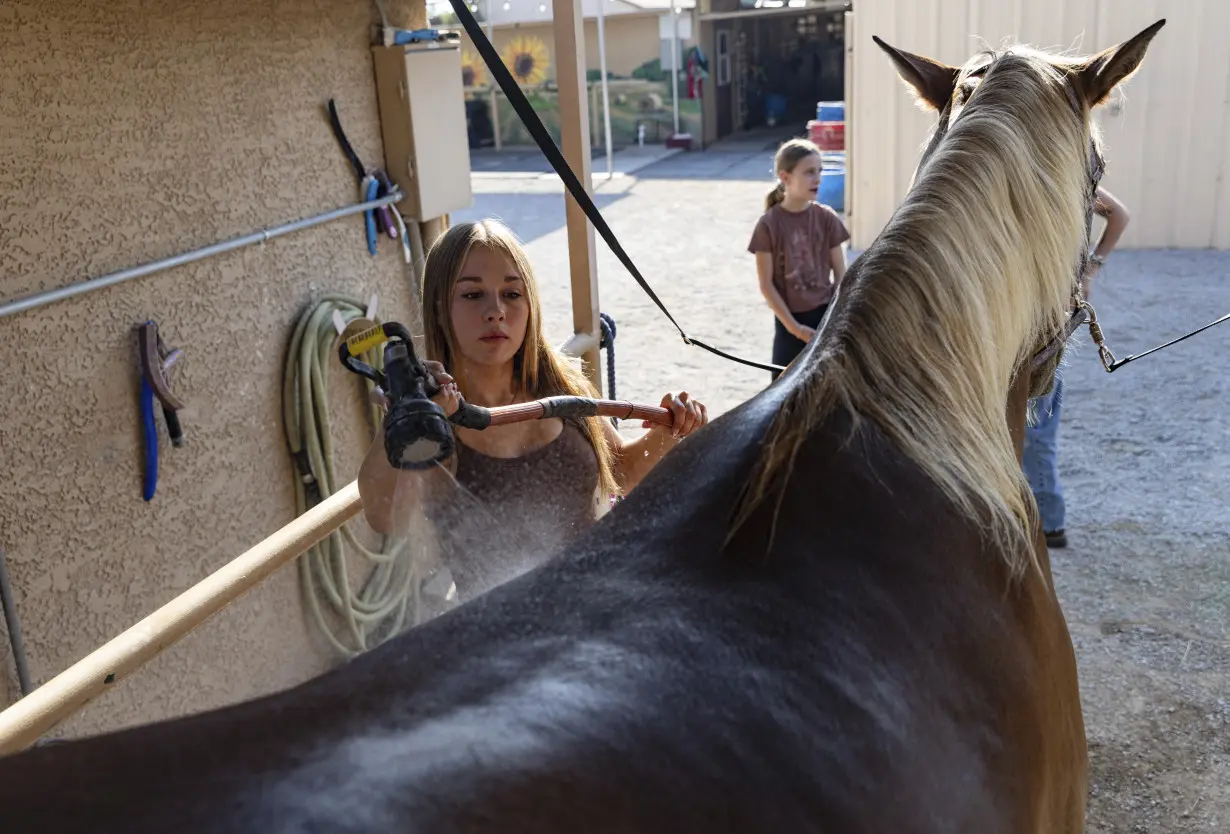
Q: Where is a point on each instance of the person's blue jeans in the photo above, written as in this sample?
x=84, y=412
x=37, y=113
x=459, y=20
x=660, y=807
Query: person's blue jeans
x=1040, y=460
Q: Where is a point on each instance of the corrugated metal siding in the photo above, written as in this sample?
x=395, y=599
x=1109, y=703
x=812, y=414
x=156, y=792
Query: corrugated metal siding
x=1167, y=132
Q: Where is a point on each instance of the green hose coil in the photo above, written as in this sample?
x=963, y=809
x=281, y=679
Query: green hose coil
x=388, y=600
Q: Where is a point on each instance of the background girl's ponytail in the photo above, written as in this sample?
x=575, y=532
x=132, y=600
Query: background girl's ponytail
x=775, y=196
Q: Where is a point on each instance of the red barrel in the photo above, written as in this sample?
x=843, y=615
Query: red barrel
x=828, y=136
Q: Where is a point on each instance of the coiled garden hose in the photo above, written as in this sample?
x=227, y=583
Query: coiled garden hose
x=389, y=599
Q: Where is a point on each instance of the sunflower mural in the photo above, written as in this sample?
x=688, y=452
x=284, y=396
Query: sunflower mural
x=527, y=59
x=473, y=70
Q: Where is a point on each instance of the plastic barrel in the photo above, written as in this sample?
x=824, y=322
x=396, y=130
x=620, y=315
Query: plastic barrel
x=830, y=111
x=828, y=136
x=833, y=188
x=774, y=108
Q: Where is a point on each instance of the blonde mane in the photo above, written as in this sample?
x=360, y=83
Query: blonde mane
x=973, y=272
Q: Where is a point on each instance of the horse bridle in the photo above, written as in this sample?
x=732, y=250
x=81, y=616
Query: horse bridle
x=1082, y=311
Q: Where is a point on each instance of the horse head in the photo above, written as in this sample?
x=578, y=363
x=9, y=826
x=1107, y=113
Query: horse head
x=973, y=280
x=1064, y=89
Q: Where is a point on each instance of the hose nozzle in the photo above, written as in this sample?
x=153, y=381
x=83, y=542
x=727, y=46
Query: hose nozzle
x=417, y=433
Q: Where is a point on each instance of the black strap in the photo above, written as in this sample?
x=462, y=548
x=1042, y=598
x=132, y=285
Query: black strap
x=1114, y=366
x=536, y=128
x=340, y=135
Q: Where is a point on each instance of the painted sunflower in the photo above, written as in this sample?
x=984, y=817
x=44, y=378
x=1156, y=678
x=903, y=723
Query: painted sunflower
x=473, y=70
x=527, y=59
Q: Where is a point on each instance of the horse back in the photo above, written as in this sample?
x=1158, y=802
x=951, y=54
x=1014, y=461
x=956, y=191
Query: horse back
x=870, y=670
x=954, y=683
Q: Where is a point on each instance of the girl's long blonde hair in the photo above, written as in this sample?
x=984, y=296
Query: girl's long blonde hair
x=789, y=155
x=538, y=369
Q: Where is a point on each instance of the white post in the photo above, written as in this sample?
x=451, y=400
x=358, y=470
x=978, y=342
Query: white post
x=606, y=96
x=495, y=88
x=675, y=64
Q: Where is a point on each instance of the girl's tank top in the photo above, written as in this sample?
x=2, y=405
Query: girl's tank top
x=513, y=513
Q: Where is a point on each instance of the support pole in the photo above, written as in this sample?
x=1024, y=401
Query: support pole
x=574, y=135
x=606, y=95
x=675, y=65
x=495, y=88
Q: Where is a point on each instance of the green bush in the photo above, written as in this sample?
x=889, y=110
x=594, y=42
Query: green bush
x=650, y=71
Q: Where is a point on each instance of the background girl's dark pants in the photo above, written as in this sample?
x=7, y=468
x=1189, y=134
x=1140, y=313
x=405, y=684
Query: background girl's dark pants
x=785, y=346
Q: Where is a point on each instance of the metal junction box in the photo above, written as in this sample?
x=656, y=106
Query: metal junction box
x=423, y=121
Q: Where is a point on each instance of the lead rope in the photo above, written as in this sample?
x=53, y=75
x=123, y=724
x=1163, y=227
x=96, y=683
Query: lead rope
x=1112, y=364
x=608, y=344
x=607, y=324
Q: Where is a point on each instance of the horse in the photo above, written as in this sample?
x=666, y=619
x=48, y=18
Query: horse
x=829, y=610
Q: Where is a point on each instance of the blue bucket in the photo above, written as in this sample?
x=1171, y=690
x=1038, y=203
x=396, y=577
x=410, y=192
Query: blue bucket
x=830, y=111
x=833, y=188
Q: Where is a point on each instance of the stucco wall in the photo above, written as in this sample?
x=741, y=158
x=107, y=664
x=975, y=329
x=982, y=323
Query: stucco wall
x=130, y=131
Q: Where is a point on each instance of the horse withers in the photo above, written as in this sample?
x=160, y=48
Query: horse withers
x=830, y=610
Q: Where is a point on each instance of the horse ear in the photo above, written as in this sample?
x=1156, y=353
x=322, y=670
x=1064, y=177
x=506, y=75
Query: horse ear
x=932, y=81
x=1106, y=70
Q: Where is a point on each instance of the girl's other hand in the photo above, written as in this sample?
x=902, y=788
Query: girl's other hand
x=448, y=397
x=687, y=415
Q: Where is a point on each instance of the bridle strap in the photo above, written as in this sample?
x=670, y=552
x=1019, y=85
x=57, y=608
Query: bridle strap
x=1077, y=317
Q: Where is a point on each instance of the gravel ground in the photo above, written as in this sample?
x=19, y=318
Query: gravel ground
x=1145, y=454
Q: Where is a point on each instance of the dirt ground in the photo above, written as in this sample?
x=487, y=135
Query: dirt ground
x=1145, y=455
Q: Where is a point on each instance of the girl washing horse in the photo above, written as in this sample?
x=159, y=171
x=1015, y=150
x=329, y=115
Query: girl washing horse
x=538, y=483
x=844, y=622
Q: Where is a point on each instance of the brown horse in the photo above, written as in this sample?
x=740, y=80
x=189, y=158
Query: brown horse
x=846, y=622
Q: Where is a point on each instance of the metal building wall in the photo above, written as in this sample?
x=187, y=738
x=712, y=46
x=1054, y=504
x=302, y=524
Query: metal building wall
x=1167, y=133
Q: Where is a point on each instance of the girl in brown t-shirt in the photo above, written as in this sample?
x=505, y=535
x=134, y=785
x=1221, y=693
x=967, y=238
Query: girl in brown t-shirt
x=797, y=244
x=513, y=494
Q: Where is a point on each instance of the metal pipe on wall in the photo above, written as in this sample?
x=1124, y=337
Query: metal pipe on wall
x=30, y=302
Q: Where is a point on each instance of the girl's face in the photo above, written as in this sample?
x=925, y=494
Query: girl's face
x=803, y=183
x=488, y=308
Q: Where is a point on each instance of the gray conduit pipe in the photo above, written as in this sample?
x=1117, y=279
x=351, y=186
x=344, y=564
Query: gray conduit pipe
x=14, y=626
x=29, y=302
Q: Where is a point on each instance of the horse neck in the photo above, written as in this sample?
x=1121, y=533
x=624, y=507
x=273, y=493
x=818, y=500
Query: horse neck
x=935, y=321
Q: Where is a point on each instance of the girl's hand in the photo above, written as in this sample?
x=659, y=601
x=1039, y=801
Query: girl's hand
x=804, y=333
x=448, y=397
x=687, y=415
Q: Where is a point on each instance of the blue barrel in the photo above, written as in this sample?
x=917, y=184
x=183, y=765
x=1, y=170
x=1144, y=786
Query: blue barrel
x=830, y=111
x=774, y=108
x=833, y=188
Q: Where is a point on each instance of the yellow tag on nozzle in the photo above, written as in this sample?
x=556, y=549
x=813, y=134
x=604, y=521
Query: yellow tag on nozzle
x=361, y=343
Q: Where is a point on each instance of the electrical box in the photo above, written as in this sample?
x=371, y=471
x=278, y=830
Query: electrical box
x=423, y=121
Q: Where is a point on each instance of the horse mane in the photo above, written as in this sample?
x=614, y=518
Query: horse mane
x=973, y=271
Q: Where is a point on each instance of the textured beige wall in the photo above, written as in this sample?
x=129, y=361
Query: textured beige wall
x=131, y=131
